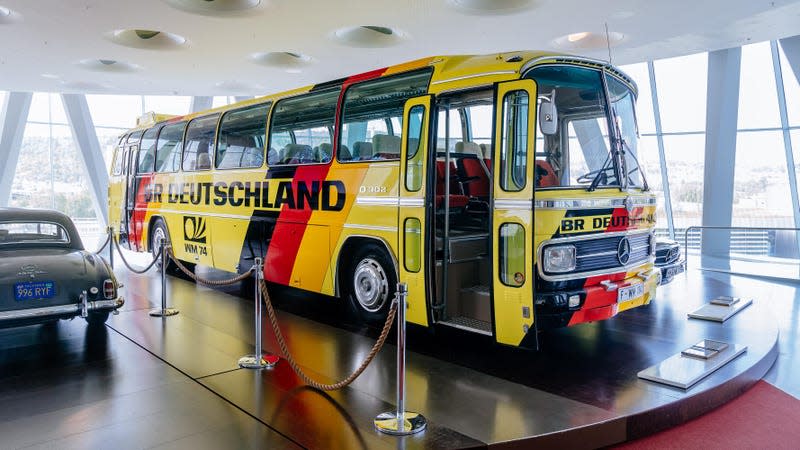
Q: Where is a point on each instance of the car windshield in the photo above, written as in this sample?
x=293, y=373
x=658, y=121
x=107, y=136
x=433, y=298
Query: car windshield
x=576, y=149
x=14, y=233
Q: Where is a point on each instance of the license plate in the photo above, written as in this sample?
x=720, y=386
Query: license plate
x=630, y=292
x=672, y=271
x=33, y=290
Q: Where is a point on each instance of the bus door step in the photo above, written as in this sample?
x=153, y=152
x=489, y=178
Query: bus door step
x=469, y=324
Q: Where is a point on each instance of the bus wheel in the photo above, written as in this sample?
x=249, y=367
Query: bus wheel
x=371, y=284
x=157, y=236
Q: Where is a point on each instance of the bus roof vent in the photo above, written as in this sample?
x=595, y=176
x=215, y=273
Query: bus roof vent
x=151, y=118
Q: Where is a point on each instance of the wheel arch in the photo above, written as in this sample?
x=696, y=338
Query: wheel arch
x=150, y=226
x=348, y=248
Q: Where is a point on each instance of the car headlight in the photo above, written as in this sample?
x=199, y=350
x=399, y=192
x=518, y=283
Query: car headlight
x=559, y=258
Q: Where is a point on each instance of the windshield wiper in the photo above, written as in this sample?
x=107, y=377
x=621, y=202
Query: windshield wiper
x=645, y=186
x=603, y=169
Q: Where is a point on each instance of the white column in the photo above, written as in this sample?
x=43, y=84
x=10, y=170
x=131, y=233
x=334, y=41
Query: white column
x=83, y=132
x=791, y=48
x=200, y=104
x=722, y=110
x=13, y=115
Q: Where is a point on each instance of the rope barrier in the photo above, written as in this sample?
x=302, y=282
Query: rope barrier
x=201, y=280
x=296, y=367
x=105, y=243
x=124, y=261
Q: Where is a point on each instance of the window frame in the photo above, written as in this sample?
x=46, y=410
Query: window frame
x=331, y=127
x=213, y=140
x=183, y=136
x=264, y=151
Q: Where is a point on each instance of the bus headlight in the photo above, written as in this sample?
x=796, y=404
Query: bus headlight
x=559, y=258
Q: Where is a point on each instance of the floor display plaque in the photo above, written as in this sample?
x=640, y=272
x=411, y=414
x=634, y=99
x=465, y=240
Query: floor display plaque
x=721, y=308
x=685, y=369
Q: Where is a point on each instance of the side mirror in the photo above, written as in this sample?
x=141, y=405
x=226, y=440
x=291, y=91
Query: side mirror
x=548, y=118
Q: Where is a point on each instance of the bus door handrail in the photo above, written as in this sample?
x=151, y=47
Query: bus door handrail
x=720, y=227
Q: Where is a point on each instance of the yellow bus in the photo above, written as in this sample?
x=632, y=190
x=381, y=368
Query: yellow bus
x=504, y=189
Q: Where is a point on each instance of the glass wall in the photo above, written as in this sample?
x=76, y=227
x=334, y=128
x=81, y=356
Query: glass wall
x=51, y=172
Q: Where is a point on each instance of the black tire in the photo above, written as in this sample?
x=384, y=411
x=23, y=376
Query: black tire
x=97, y=319
x=158, y=233
x=370, y=283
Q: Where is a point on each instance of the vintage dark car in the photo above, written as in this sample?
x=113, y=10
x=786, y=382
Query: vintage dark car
x=669, y=259
x=45, y=273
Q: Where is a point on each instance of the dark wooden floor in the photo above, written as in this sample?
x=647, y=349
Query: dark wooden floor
x=143, y=382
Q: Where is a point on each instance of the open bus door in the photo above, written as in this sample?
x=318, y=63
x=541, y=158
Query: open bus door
x=412, y=225
x=512, y=218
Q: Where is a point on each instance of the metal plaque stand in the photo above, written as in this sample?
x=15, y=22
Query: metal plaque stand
x=400, y=422
x=257, y=360
x=163, y=311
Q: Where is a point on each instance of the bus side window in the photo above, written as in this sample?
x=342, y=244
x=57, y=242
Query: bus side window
x=199, y=140
x=168, y=147
x=371, y=118
x=118, y=157
x=147, y=151
x=241, y=138
x=308, y=119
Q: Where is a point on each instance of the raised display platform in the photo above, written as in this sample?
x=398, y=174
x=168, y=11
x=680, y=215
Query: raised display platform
x=580, y=391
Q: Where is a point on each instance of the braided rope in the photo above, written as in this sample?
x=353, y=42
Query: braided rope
x=296, y=367
x=201, y=280
x=138, y=271
x=105, y=243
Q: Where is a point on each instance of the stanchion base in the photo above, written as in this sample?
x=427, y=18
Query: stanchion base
x=387, y=423
x=251, y=362
x=158, y=312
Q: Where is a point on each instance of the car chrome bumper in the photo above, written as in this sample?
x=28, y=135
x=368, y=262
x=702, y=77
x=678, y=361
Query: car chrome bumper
x=73, y=309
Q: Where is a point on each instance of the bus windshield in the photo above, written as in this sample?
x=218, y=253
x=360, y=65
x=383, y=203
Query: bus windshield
x=577, y=148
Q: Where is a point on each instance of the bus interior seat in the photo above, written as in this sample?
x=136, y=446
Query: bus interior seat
x=475, y=174
x=344, y=153
x=456, y=200
x=386, y=146
x=544, y=175
x=323, y=152
x=203, y=161
x=362, y=151
x=297, y=154
x=487, y=155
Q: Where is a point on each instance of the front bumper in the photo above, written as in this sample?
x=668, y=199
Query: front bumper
x=668, y=271
x=61, y=311
x=596, y=302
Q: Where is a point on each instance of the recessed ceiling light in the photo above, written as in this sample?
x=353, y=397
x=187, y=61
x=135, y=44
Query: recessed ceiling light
x=369, y=36
x=108, y=65
x=491, y=6
x=146, y=39
x=281, y=60
x=587, y=40
x=213, y=7
x=51, y=76
x=8, y=16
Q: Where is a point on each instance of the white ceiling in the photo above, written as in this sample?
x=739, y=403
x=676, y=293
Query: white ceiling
x=43, y=41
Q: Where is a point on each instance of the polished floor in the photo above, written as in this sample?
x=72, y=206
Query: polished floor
x=142, y=382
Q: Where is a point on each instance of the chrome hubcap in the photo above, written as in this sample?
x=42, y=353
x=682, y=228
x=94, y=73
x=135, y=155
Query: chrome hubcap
x=370, y=285
x=158, y=238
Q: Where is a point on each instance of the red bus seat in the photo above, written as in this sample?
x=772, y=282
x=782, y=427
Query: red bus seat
x=544, y=174
x=476, y=173
x=455, y=200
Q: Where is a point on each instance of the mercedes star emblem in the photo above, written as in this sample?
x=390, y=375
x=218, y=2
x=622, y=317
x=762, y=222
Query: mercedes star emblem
x=624, y=251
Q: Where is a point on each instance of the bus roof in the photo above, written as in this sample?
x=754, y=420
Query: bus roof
x=449, y=73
